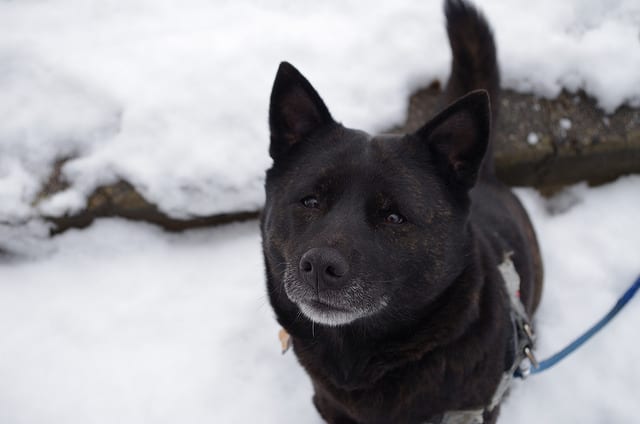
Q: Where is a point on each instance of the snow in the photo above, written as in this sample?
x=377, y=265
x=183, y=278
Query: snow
x=124, y=323
x=532, y=138
x=173, y=95
x=565, y=124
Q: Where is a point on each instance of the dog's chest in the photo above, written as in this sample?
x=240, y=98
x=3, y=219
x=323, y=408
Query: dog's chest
x=414, y=393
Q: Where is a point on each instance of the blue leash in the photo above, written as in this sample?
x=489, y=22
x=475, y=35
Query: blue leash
x=550, y=362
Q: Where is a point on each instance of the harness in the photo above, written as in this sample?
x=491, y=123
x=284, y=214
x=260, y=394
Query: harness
x=524, y=362
x=521, y=350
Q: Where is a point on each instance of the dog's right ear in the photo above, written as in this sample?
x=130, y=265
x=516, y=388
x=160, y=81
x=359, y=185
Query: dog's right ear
x=296, y=110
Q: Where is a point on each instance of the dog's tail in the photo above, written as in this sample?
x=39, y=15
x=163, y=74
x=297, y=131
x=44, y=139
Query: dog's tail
x=474, y=64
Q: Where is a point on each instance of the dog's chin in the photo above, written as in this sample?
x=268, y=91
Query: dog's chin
x=324, y=314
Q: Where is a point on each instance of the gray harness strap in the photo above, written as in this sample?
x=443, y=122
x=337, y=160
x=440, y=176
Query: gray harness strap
x=470, y=416
x=523, y=340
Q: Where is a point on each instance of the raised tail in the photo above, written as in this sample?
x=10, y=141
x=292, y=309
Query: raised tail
x=474, y=64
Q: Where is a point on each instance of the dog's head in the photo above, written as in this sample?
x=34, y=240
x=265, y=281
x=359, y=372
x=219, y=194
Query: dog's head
x=359, y=227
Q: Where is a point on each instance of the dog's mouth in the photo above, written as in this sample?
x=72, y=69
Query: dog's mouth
x=324, y=313
x=353, y=301
x=324, y=306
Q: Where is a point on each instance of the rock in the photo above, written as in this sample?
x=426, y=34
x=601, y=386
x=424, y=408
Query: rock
x=544, y=143
x=548, y=143
x=122, y=200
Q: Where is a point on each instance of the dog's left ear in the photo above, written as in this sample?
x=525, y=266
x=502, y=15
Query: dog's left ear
x=457, y=137
x=296, y=110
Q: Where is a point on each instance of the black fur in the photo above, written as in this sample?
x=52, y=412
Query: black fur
x=474, y=63
x=381, y=252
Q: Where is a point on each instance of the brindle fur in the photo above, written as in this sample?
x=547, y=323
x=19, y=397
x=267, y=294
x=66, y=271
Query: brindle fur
x=441, y=341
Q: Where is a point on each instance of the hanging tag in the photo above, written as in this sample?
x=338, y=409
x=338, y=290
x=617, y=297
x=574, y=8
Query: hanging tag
x=285, y=340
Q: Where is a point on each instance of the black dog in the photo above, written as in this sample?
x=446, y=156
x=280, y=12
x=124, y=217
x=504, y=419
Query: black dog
x=382, y=252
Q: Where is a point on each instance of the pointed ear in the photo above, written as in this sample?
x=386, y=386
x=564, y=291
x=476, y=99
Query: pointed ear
x=296, y=110
x=458, y=137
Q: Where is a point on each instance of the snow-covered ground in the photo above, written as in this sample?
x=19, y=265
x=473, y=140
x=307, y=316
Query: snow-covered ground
x=172, y=95
x=124, y=323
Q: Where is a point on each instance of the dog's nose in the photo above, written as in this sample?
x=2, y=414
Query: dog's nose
x=323, y=268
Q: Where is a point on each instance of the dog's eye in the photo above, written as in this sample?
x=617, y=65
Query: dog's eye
x=310, y=202
x=394, y=218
